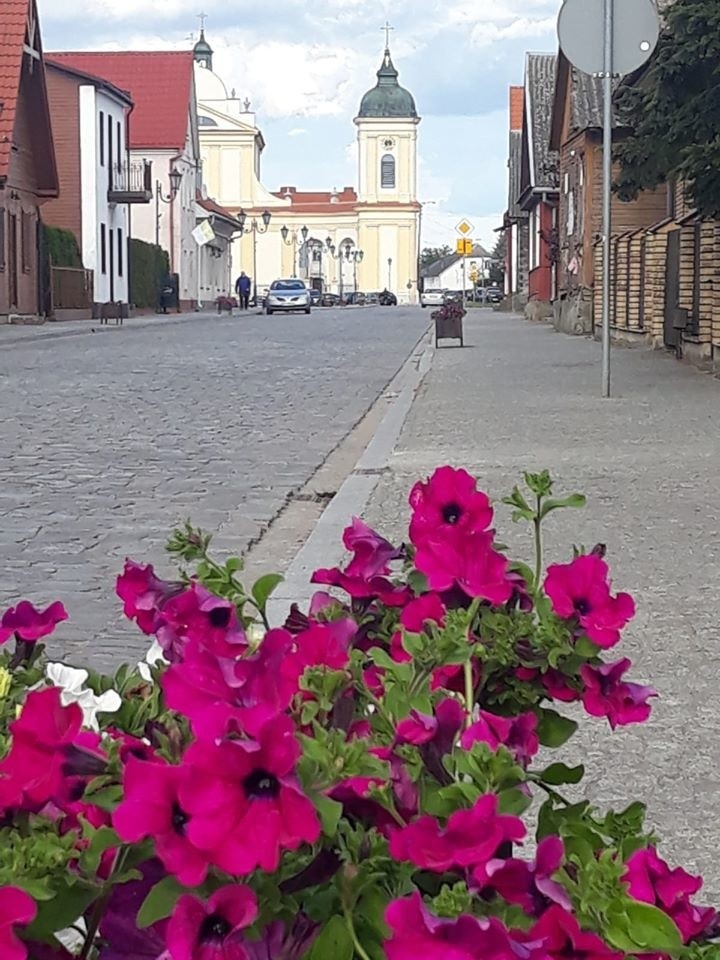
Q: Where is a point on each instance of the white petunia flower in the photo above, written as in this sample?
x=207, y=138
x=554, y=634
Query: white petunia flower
x=153, y=657
x=72, y=683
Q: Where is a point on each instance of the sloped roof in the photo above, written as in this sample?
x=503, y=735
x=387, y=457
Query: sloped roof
x=439, y=267
x=540, y=71
x=514, y=173
x=14, y=18
x=388, y=98
x=160, y=84
x=88, y=78
x=210, y=206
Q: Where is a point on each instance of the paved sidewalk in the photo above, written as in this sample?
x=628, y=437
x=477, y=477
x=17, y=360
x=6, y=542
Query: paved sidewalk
x=521, y=397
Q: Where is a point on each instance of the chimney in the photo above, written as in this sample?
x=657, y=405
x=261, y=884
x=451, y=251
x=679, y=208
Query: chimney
x=517, y=106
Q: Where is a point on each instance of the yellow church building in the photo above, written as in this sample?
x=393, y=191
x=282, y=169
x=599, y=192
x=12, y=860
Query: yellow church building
x=363, y=238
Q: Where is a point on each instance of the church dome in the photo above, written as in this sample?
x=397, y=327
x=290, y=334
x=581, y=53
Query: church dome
x=387, y=98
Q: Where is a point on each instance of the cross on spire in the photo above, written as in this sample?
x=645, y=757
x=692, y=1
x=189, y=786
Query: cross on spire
x=387, y=30
x=202, y=17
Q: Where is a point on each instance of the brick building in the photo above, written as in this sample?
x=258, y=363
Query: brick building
x=515, y=220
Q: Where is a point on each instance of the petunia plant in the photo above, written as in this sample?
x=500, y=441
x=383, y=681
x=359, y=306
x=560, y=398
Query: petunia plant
x=380, y=776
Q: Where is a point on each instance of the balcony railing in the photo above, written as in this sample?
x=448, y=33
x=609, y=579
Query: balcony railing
x=131, y=182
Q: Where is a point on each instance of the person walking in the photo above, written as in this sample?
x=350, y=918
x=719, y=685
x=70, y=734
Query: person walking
x=243, y=286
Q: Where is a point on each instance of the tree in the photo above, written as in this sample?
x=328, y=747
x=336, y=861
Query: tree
x=497, y=266
x=673, y=110
x=433, y=254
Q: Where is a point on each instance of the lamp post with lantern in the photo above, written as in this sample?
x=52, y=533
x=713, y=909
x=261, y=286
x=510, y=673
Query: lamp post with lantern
x=292, y=241
x=175, y=182
x=255, y=229
x=346, y=254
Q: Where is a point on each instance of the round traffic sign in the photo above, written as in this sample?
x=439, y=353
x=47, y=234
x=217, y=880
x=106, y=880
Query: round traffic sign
x=636, y=28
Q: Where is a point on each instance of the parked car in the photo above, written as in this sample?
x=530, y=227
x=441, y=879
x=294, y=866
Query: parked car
x=330, y=300
x=288, y=295
x=493, y=295
x=315, y=297
x=454, y=296
x=355, y=299
x=432, y=298
x=387, y=299
x=372, y=299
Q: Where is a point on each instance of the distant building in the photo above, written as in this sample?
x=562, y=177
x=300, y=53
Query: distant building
x=28, y=173
x=515, y=220
x=448, y=273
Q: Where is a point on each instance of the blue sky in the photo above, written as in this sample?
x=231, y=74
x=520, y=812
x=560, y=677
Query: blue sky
x=305, y=64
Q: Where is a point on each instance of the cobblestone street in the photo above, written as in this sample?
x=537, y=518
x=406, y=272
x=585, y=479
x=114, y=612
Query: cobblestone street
x=521, y=397
x=111, y=439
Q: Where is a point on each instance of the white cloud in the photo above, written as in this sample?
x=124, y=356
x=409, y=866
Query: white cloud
x=297, y=132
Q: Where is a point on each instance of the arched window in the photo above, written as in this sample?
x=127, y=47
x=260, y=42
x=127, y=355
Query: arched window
x=387, y=172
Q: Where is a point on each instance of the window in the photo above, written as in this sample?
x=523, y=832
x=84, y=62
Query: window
x=119, y=144
x=535, y=238
x=25, y=242
x=387, y=172
x=102, y=139
x=2, y=238
x=120, y=252
x=103, y=249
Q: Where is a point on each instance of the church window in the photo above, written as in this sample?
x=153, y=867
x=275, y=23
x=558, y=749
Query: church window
x=387, y=172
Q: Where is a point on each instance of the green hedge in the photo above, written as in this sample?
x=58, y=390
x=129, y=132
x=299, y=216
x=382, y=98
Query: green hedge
x=149, y=265
x=62, y=247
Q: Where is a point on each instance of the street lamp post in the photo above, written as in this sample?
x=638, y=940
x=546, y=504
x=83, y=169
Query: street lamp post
x=343, y=253
x=175, y=181
x=389, y=275
x=356, y=257
x=254, y=228
x=292, y=241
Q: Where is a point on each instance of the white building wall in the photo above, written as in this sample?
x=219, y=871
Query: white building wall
x=104, y=225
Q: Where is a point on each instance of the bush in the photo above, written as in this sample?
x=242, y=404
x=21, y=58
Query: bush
x=149, y=265
x=358, y=784
x=62, y=247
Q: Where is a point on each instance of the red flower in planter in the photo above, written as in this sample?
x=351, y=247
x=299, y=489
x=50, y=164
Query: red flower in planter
x=322, y=645
x=212, y=930
x=471, y=837
x=143, y=594
x=608, y=695
x=650, y=880
x=33, y=769
x=151, y=808
x=417, y=933
x=244, y=801
x=17, y=909
x=372, y=554
x=469, y=562
x=198, y=617
x=518, y=734
x=581, y=590
x=529, y=885
x=447, y=504
x=557, y=936
x=28, y=623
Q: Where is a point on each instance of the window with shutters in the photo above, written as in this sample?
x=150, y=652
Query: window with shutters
x=387, y=172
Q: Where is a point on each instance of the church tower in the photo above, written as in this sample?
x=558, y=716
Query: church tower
x=387, y=140
x=203, y=52
x=388, y=208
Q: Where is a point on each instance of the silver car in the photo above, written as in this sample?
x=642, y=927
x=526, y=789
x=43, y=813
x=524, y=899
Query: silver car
x=288, y=295
x=433, y=298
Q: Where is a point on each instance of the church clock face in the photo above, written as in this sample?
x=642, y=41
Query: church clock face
x=389, y=143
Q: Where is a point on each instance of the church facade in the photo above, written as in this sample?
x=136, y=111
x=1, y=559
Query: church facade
x=361, y=238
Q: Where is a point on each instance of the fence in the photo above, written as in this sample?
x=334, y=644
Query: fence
x=72, y=288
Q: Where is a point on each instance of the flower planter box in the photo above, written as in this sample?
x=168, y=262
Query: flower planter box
x=449, y=323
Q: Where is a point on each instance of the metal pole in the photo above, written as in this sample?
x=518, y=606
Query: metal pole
x=607, y=190
x=254, y=233
x=464, y=262
x=157, y=213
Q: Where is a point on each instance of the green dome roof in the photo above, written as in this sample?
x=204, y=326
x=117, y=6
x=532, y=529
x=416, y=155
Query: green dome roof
x=202, y=46
x=388, y=98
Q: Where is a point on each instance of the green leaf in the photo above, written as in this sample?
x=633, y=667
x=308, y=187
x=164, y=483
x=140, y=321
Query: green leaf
x=329, y=812
x=69, y=903
x=636, y=927
x=418, y=582
x=264, y=588
x=160, y=902
x=554, y=730
x=558, y=774
x=334, y=942
x=574, y=501
x=102, y=839
x=235, y=565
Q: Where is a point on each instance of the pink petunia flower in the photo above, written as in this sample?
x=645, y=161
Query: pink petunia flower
x=651, y=880
x=244, y=801
x=199, y=618
x=375, y=588
x=471, y=837
x=212, y=930
x=518, y=734
x=143, y=594
x=581, y=590
x=372, y=554
x=297, y=621
x=322, y=645
x=33, y=771
x=17, y=909
x=424, y=610
x=469, y=562
x=417, y=933
x=529, y=885
x=608, y=695
x=558, y=936
x=151, y=808
x=199, y=689
x=449, y=502
x=28, y=623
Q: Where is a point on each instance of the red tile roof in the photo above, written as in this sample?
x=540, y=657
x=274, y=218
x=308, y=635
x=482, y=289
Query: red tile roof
x=12, y=37
x=212, y=207
x=301, y=198
x=160, y=84
x=517, y=106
